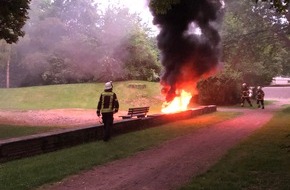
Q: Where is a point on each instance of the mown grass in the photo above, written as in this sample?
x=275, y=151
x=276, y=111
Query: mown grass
x=260, y=162
x=79, y=96
x=83, y=96
x=33, y=172
x=11, y=131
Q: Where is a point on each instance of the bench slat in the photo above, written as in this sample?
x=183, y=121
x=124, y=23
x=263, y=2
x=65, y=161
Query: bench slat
x=138, y=111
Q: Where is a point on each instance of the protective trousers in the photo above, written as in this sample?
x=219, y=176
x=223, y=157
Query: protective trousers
x=243, y=99
x=108, y=124
x=260, y=103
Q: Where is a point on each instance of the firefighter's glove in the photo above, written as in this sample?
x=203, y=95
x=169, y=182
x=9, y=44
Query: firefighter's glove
x=116, y=110
x=98, y=113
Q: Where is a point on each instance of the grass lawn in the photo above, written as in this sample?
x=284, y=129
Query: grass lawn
x=260, y=162
x=10, y=131
x=80, y=96
x=30, y=173
x=83, y=96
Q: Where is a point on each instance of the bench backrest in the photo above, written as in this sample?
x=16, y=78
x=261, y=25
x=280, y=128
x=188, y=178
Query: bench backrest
x=138, y=110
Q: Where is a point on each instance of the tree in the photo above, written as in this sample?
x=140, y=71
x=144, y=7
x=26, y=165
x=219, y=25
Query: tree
x=141, y=57
x=252, y=53
x=162, y=6
x=75, y=39
x=129, y=52
x=116, y=24
x=77, y=16
x=70, y=30
x=58, y=72
x=280, y=6
x=5, y=59
x=253, y=50
x=13, y=15
x=250, y=45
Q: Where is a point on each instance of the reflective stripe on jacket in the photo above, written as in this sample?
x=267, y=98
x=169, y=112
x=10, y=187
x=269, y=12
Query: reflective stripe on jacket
x=108, y=102
x=260, y=95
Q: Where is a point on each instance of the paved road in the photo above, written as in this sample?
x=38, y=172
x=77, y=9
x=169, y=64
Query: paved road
x=277, y=92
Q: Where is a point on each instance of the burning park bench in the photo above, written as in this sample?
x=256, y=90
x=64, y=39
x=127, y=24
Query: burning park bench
x=138, y=112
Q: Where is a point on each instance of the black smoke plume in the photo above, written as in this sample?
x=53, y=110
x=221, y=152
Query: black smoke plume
x=186, y=54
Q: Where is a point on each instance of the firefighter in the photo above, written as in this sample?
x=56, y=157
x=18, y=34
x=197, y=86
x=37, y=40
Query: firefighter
x=260, y=97
x=245, y=95
x=108, y=105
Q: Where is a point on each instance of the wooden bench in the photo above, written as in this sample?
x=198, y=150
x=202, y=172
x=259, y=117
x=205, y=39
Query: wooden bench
x=138, y=112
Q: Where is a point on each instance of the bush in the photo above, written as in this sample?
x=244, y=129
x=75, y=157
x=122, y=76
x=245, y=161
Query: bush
x=222, y=89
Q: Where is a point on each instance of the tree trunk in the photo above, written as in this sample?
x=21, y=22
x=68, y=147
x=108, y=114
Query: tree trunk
x=8, y=69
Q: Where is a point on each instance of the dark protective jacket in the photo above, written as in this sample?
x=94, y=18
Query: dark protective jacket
x=260, y=94
x=108, y=102
x=245, y=92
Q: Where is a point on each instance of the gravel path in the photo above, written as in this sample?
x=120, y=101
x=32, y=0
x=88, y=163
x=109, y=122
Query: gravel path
x=66, y=118
x=172, y=164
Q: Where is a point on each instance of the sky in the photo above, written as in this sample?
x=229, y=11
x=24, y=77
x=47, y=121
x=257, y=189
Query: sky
x=135, y=6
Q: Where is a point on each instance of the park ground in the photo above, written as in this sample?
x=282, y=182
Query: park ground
x=170, y=165
x=175, y=162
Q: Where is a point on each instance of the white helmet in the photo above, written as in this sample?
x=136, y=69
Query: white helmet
x=244, y=84
x=108, y=85
x=259, y=87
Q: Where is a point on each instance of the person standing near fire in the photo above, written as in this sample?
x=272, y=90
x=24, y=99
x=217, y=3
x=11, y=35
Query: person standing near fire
x=108, y=105
x=245, y=95
x=260, y=97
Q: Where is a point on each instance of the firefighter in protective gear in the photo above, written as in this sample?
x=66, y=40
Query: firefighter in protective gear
x=260, y=97
x=245, y=95
x=108, y=105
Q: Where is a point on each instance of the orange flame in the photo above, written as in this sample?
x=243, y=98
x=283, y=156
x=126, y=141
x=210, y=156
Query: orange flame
x=178, y=104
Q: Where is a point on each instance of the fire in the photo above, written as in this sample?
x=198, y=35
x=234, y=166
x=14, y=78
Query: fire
x=179, y=103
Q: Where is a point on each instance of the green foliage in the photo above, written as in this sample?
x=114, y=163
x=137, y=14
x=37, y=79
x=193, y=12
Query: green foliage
x=78, y=16
x=280, y=6
x=63, y=29
x=57, y=73
x=86, y=41
x=162, y=6
x=251, y=46
x=260, y=162
x=13, y=15
x=141, y=60
x=221, y=89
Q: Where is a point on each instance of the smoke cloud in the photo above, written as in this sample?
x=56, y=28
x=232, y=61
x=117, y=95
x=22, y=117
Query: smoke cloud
x=189, y=43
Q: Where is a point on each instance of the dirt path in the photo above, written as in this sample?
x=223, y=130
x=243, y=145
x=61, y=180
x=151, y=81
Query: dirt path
x=172, y=164
x=65, y=118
